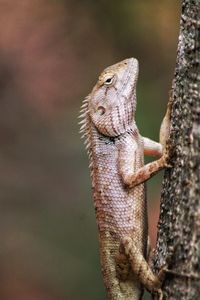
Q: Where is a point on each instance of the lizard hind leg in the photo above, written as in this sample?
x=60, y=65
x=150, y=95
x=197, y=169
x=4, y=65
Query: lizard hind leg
x=142, y=270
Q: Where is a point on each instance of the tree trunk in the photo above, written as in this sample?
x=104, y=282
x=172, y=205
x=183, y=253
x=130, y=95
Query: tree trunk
x=179, y=223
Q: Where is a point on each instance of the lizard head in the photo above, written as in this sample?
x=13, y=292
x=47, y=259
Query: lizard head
x=112, y=102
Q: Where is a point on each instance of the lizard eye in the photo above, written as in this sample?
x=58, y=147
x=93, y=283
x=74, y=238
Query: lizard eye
x=109, y=80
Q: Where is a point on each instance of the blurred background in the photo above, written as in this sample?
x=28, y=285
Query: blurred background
x=51, y=53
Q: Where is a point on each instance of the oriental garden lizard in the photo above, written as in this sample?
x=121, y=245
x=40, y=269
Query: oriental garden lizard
x=116, y=154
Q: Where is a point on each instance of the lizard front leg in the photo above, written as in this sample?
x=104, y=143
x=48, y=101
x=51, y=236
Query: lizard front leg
x=159, y=150
x=132, y=175
x=145, y=172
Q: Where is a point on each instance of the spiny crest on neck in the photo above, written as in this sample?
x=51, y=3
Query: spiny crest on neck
x=85, y=129
x=85, y=122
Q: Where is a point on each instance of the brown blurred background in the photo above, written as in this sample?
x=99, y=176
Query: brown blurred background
x=51, y=53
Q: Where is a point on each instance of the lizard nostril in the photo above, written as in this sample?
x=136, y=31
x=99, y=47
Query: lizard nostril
x=101, y=110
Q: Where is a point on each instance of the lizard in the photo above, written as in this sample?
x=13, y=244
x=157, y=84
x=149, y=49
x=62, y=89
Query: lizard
x=116, y=155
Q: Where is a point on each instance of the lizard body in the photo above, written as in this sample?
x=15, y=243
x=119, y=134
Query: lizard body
x=116, y=153
x=117, y=211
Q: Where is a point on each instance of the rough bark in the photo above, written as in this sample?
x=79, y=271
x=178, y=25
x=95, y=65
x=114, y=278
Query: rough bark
x=179, y=223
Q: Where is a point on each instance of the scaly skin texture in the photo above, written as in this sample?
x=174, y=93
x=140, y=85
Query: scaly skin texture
x=116, y=153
